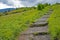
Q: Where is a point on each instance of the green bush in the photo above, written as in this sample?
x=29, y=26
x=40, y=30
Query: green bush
x=40, y=6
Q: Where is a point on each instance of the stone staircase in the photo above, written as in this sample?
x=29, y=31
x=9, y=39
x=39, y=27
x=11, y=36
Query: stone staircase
x=39, y=29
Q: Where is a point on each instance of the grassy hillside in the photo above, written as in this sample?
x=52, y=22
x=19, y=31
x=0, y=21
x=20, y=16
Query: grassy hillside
x=54, y=23
x=12, y=25
x=17, y=10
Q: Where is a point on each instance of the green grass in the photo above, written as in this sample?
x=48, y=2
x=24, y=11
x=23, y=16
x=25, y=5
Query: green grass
x=54, y=23
x=17, y=10
x=12, y=25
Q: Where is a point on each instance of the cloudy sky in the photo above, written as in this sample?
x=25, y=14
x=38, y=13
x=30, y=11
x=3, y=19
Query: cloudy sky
x=22, y=3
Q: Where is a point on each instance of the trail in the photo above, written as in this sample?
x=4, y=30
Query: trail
x=39, y=29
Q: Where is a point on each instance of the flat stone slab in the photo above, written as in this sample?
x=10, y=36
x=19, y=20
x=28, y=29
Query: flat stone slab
x=34, y=37
x=36, y=30
x=46, y=16
x=42, y=37
x=42, y=20
x=40, y=23
x=25, y=37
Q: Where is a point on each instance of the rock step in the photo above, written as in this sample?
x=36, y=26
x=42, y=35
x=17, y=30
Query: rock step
x=42, y=37
x=39, y=24
x=48, y=13
x=42, y=20
x=35, y=37
x=36, y=30
x=46, y=16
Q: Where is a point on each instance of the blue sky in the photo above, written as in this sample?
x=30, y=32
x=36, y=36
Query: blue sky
x=22, y=3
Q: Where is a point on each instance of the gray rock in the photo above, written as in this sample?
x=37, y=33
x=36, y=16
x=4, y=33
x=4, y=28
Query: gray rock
x=36, y=30
x=42, y=37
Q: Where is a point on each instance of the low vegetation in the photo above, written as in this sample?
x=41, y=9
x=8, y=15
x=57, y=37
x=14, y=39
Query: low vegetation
x=54, y=22
x=12, y=25
x=17, y=10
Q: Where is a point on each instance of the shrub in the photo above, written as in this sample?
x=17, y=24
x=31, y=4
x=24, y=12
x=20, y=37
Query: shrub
x=40, y=6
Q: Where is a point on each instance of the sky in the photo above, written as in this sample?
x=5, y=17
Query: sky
x=23, y=3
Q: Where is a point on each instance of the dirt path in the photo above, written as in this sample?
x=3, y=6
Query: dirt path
x=39, y=29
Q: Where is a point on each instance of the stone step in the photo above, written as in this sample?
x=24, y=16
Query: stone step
x=46, y=16
x=25, y=37
x=48, y=13
x=34, y=37
x=36, y=30
x=42, y=37
x=39, y=24
x=42, y=20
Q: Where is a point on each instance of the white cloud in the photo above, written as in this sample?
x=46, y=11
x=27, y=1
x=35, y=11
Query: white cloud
x=22, y=3
x=15, y=3
x=2, y=6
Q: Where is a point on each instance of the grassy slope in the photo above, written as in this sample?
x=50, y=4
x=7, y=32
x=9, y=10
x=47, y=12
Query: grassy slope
x=19, y=10
x=12, y=25
x=54, y=22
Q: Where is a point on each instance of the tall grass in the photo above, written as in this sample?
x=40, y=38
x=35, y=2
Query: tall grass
x=54, y=23
x=12, y=25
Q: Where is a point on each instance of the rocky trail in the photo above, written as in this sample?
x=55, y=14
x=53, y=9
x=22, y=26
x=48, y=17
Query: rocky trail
x=37, y=31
